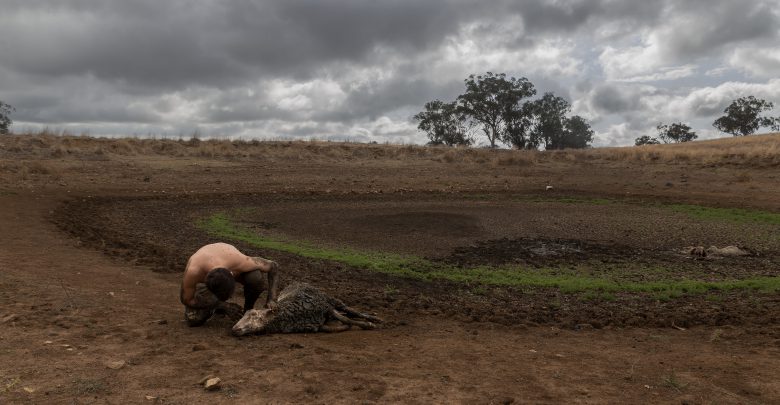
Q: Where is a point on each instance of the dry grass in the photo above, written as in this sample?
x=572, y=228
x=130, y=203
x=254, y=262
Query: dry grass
x=747, y=151
x=751, y=151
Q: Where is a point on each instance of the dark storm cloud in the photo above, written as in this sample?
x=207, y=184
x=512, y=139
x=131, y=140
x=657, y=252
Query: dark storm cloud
x=178, y=43
x=705, y=26
x=545, y=16
x=175, y=43
x=612, y=99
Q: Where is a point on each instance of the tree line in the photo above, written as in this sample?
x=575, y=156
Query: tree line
x=501, y=109
x=744, y=116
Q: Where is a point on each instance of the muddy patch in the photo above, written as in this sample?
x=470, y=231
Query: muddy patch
x=423, y=222
x=539, y=252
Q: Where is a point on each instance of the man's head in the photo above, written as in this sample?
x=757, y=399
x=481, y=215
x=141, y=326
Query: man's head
x=221, y=283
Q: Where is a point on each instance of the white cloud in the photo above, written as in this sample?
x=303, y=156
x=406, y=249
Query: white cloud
x=760, y=62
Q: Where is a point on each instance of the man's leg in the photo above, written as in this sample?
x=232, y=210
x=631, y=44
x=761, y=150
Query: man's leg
x=254, y=284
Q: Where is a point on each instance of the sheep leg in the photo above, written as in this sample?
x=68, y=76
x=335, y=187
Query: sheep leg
x=355, y=314
x=334, y=328
x=349, y=321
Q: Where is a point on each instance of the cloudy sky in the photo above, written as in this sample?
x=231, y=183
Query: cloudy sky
x=358, y=69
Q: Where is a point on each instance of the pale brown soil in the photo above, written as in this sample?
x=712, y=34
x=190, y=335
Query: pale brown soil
x=106, y=290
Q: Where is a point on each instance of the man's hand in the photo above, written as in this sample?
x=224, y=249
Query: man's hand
x=271, y=304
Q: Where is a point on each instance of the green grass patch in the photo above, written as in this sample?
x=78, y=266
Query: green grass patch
x=511, y=276
x=739, y=215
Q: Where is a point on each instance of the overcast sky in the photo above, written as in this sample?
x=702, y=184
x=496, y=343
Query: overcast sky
x=359, y=69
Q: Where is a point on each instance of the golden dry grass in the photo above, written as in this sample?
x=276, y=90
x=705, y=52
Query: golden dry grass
x=756, y=150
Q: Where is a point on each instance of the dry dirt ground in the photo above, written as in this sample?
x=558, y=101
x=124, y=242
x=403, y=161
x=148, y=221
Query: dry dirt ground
x=92, y=249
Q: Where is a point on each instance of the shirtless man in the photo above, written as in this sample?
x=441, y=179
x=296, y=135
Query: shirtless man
x=211, y=275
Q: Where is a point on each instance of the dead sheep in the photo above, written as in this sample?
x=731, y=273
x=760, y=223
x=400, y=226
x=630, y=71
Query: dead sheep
x=302, y=308
x=714, y=251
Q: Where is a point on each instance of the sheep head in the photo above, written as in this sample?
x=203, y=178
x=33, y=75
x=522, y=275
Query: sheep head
x=253, y=321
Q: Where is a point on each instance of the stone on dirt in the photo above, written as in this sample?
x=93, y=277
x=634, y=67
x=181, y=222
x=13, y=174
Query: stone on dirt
x=115, y=365
x=212, y=384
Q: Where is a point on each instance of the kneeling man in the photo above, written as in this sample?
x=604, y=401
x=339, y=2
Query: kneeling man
x=211, y=275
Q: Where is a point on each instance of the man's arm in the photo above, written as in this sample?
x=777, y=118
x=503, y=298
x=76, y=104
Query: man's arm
x=273, y=285
x=272, y=269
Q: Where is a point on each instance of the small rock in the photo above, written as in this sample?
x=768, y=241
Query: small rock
x=47, y=342
x=213, y=384
x=508, y=401
x=28, y=390
x=198, y=347
x=150, y=398
x=111, y=293
x=583, y=326
x=115, y=365
x=204, y=379
x=296, y=346
x=548, y=188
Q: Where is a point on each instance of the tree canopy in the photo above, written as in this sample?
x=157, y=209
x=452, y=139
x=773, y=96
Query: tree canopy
x=646, y=140
x=493, y=102
x=743, y=117
x=5, y=117
x=676, y=133
x=443, y=123
x=502, y=109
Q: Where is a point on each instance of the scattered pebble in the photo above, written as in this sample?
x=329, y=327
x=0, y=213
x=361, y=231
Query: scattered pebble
x=115, y=365
x=204, y=379
x=150, y=398
x=28, y=390
x=47, y=342
x=213, y=384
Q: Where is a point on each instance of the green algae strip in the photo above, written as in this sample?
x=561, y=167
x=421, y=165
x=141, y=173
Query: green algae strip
x=220, y=225
x=739, y=215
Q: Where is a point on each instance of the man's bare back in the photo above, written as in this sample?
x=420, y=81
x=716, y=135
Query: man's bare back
x=223, y=255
